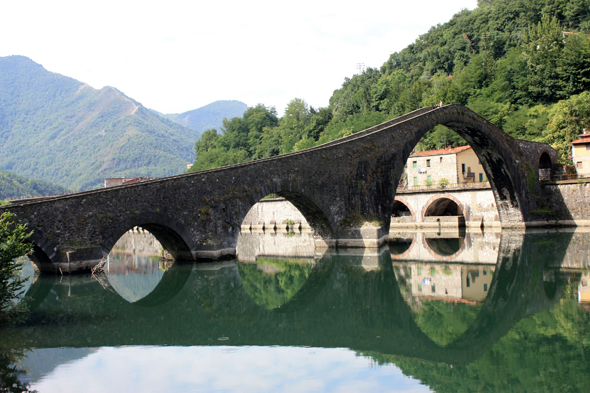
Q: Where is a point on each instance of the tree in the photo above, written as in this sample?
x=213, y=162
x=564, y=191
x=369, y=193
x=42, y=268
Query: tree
x=13, y=244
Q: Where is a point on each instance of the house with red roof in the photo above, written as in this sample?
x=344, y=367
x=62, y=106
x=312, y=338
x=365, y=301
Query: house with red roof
x=455, y=164
x=581, y=154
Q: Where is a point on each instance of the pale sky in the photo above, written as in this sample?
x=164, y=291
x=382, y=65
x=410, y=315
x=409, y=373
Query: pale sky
x=174, y=56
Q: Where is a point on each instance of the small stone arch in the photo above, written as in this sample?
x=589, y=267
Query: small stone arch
x=464, y=209
x=404, y=202
x=171, y=234
x=545, y=164
x=43, y=251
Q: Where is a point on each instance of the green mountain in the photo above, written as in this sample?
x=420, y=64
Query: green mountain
x=209, y=116
x=15, y=186
x=61, y=130
x=524, y=65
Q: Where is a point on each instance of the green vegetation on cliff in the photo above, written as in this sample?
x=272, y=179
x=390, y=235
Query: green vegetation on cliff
x=522, y=64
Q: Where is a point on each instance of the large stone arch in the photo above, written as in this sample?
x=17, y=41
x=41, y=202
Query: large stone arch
x=173, y=236
x=502, y=157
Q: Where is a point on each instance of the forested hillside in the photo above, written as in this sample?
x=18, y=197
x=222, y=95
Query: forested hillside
x=15, y=186
x=61, y=130
x=209, y=116
x=522, y=64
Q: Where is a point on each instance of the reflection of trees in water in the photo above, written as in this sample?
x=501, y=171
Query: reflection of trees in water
x=11, y=373
x=545, y=352
x=271, y=282
x=443, y=322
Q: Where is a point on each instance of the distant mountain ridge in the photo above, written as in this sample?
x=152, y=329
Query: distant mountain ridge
x=15, y=186
x=209, y=116
x=61, y=130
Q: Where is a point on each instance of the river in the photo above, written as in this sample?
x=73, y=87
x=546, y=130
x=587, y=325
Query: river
x=444, y=312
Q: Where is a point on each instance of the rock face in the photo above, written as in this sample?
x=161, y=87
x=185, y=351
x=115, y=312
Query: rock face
x=338, y=187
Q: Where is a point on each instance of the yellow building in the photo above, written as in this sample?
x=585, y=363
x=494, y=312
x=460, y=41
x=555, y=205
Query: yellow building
x=581, y=154
x=457, y=165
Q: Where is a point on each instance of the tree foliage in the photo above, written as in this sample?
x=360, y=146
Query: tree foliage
x=13, y=244
x=524, y=65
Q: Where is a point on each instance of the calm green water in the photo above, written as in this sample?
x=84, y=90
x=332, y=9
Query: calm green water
x=484, y=312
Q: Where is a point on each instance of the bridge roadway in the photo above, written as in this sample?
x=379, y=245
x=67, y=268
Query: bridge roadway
x=340, y=305
x=198, y=215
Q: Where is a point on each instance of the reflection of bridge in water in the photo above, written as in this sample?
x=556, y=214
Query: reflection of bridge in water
x=352, y=301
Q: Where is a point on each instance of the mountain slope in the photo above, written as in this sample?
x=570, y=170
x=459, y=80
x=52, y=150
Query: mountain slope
x=15, y=186
x=61, y=130
x=209, y=116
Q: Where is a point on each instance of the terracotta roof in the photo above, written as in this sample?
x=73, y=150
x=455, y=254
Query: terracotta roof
x=585, y=138
x=438, y=152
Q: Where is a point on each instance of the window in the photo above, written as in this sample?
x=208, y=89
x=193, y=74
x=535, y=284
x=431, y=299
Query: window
x=485, y=287
x=481, y=177
x=468, y=281
x=433, y=289
x=428, y=163
x=463, y=168
x=415, y=164
x=579, y=164
x=432, y=271
x=429, y=179
x=415, y=181
x=441, y=160
x=587, y=147
x=419, y=270
x=485, y=272
x=420, y=287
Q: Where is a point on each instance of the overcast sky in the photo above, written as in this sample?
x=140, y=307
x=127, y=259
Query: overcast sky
x=175, y=56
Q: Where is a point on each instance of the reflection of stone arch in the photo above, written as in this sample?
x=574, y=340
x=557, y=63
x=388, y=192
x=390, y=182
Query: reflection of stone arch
x=171, y=234
x=545, y=166
x=404, y=202
x=169, y=286
x=464, y=209
x=405, y=253
x=462, y=246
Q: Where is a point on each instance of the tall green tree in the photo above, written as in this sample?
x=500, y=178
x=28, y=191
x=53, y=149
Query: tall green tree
x=13, y=244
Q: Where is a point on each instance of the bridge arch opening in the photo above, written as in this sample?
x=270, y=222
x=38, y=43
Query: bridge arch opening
x=288, y=216
x=170, y=236
x=401, y=209
x=545, y=166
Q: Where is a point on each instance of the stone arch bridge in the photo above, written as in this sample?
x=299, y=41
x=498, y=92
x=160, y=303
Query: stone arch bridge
x=336, y=186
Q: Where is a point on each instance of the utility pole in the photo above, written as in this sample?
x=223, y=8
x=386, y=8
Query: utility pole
x=360, y=67
x=485, y=44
